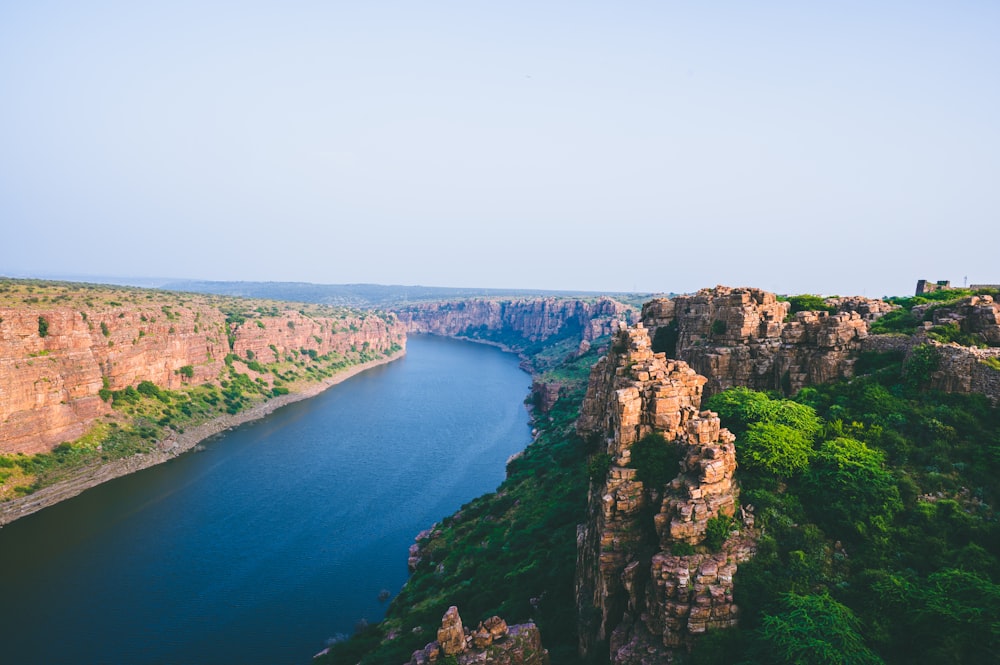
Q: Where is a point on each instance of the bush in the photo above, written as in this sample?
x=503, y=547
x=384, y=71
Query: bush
x=187, y=371
x=815, y=629
x=717, y=531
x=655, y=461
x=922, y=363
x=809, y=303
x=776, y=448
x=719, y=327
x=43, y=327
x=598, y=466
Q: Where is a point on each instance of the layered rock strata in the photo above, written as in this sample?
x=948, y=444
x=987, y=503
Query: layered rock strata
x=492, y=642
x=55, y=360
x=635, y=596
x=744, y=337
x=527, y=320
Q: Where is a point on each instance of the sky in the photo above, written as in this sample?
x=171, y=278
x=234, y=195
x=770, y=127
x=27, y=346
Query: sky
x=799, y=147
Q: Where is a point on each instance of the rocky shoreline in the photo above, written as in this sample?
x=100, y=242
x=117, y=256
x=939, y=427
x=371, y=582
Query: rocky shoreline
x=167, y=449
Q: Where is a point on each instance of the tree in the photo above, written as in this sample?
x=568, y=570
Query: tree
x=850, y=485
x=776, y=448
x=815, y=630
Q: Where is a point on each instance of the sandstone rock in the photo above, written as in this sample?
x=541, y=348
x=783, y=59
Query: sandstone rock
x=451, y=634
x=493, y=642
x=634, y=392
x=740, y=337
x=545, y=394
x=49, y=385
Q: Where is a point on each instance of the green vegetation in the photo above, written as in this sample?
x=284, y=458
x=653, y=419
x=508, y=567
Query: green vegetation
x=876, y=499
x=882, y=544
x=809, y=303
x=655, y=460
x=716, y=531
x=951, y=332
x=904, y=321
x=43, y=327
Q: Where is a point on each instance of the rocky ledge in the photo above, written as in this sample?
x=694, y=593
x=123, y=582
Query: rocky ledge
x=492, y=642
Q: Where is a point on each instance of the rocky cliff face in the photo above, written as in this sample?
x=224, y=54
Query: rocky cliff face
x=740, y=337
x=976, y=315
x=492, y=642
x=641, y=592
x=525, y=320
x=54, y=359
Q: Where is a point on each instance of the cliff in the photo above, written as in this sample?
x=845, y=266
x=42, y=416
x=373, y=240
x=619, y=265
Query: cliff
x=61, y=345
x=647, y=579
x=517, y=323
x=745, y=337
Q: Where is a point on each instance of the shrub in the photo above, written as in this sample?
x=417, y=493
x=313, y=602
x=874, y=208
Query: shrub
x=187, y=371
x=43, y=327
x=719, y=327
x=922, y=363
x=104, y=329
x=815, y=629
x=776, y=448
x=717, y=531
x=598, y=466
x=656, y=462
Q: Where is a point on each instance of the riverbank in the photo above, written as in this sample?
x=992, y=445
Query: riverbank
x=169, y=448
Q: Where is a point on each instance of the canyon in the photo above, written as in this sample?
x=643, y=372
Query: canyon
x=518, y=322
x=648, y=579
x=50, y=384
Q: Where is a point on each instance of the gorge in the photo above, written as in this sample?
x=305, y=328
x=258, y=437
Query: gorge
x=611, y=563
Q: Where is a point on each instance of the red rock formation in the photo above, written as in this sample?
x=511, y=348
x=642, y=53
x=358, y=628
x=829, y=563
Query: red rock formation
x=633, y=393
x=492, y=642
x=49, y=384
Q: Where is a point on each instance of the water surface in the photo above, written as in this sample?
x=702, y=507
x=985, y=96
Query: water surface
x=276, y=538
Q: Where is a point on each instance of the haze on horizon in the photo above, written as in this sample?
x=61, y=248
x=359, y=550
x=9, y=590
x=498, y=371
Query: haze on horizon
x=641, y=146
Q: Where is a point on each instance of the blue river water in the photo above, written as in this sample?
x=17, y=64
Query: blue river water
x=276, y=538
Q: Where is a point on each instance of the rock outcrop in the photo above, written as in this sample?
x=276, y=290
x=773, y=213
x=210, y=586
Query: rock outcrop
x=636, y=595
x=744, y=337
x=976, y=315
x=517, y=321
x=492, y=642
x=55, y=359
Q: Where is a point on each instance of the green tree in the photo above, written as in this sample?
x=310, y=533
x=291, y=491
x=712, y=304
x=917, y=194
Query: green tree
x=776, y=448
x=850, y=486
x=814, y=630
x=740, y=407
x=43, y=326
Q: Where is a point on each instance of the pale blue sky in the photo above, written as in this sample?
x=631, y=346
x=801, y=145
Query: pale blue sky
x=849, y=147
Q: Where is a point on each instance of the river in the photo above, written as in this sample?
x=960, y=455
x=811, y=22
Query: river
x=278, y=536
